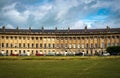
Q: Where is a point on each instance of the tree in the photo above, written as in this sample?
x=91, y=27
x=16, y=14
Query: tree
x=113, y=50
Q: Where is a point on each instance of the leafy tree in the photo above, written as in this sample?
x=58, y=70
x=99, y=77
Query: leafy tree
x=113, y=50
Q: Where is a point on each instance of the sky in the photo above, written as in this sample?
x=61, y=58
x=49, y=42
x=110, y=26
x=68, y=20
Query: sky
x=62, y=14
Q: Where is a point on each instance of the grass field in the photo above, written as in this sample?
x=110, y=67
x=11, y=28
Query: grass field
x=60, y=67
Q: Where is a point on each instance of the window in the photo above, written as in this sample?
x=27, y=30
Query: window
x=15, y=37
x=82, y=38
x=28, y=38
x=28, y=45
x=11, y=37
x=23, y=38
x=36, y=45
x=103, y=45
x=7, y=37
x=19, y=37
x=7, y=52
x=74, y=46
x=96, y=45
x=87, y=45
x=118, y=37
x=92, y=46
x=19, y=44
x=15, y=45
x=40, y=38
x=2, y=37
x=82, y=45
x=49, y=45
x=32, y=52
x=108, y=37
x=57, y=45
x=6, y=44
x=11, y=45
x=23, y=51
x=36, y=38
x=45, y=46
x=40, y=45
x=113, y=37
x=19, y=51
x=53, y=45
x=78, y=45
x=62, y=45
x=70, y=46
x=11, y=51
x=2, y=44
x=32, y=38
x=32, y=45
x=108, y=44
x=117, y=44
x=23, y=44
x=66, y=45
x=86, y=51
x=113, y=44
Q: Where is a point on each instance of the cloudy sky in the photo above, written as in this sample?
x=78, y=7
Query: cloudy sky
x=75, y=14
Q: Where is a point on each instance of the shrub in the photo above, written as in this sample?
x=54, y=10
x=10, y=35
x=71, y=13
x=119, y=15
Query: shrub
x=113, y=50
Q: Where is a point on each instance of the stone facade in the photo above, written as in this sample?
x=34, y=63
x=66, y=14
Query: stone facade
x=43, y=41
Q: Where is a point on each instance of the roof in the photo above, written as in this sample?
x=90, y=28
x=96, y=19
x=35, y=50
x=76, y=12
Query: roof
x=61, y=31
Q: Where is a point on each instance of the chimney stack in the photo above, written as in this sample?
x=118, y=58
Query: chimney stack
x=56, y=29
x=42, y=29
x=85, y=28
x=29, y=28
x=3, y=28
x=68, y=29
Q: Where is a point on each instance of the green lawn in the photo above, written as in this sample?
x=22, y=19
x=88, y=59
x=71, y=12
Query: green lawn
x=60, y=67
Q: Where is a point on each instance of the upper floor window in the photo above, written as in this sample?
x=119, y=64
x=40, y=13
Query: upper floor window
x=11, y=37
x=36, y=38
x=92, y=46
x=28, y=45
x=87, y=45
x=113, y=37
x=6, y=44
x=40, y=45
x=32, y=38
x=19, y=37
x=7, y=37
x=53, y=45
x=96, y=45
x=2, y=37
x=36, y=45
x=32, y=45
x=82, y=46
x=45, y=46
x=108, y=37
x=11, y=45
x=117, y=37
x=83, y=38
x=23, y=44
x=2, y=44
x=19, y=44
x=40, y=38
x=49, y=45
x=15, y=37
x=78, y=45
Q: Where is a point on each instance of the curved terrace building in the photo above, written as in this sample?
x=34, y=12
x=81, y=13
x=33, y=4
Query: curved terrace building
x=56, y=41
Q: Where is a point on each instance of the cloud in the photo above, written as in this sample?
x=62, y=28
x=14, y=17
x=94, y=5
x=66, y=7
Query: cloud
x=60, y=13
x=10, y=13
x=8, y=26
x=78, y=25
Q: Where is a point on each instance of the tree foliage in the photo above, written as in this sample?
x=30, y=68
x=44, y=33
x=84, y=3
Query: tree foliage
x=113, y=50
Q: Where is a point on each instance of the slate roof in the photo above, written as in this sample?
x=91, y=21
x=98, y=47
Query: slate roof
x=61, y=31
